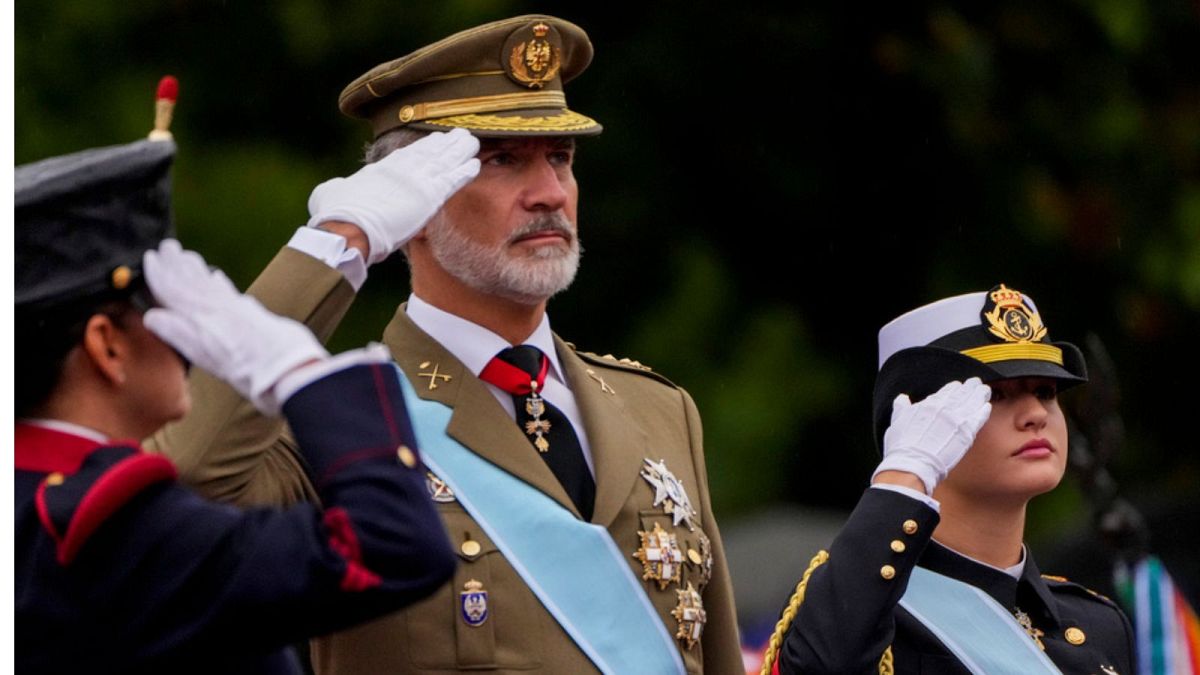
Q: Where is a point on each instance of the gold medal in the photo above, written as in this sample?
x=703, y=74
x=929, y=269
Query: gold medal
x=660, y=555
x=690, y=615
x=537, y=427
x=1027, y=624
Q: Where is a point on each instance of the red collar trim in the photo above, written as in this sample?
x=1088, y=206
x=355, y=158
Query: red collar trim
x=511, y=378
x=46, y=450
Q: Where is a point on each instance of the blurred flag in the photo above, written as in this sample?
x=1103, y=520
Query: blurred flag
x=1166, y=628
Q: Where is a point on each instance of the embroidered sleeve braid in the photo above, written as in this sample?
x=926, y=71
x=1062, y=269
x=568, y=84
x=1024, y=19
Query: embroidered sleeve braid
x=789, y=613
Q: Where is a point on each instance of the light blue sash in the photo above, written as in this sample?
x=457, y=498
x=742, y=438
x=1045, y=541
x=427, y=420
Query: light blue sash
x=573, y=567
x=975, y=628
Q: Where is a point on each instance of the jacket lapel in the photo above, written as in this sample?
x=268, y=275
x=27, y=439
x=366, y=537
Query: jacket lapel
x=616, y=441
x=477, y=420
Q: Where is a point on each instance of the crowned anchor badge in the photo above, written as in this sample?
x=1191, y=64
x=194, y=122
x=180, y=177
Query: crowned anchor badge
x=1010, y=317
x=669, y=492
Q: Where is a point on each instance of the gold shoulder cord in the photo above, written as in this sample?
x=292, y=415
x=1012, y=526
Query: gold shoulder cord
x=789, y=613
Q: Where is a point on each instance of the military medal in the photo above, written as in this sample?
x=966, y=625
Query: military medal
x=1027, y=623
x=703, y=559
x=537, y=427
x=660, y=555
x=690, y=615
x=438, y=490
x=669, y=492
x=474, y=602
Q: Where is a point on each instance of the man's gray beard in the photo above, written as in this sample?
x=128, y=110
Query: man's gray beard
x=527, y=279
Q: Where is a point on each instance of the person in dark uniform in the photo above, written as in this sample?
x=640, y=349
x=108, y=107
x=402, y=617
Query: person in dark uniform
x=930, y=573
x=120, y=569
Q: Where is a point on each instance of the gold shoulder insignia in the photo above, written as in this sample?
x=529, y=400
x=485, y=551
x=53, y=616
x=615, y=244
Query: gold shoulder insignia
x=624, y=364
x=1054, y=577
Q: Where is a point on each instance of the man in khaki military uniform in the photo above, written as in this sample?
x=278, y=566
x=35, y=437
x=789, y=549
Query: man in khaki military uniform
x=537, y=435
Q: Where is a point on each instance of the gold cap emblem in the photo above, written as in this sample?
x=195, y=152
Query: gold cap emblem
x=534, y=62
x=1008, y=316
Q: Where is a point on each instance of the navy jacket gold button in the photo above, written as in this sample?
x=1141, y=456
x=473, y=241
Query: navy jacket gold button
x=850, y=614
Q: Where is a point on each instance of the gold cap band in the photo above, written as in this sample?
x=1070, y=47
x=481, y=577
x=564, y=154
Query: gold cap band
x=564, y=122
x=1013, y=351
x=480, y=104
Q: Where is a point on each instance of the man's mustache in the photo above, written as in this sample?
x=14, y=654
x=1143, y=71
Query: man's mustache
x=555, y=222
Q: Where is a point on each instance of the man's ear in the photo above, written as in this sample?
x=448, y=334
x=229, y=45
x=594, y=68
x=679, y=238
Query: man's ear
x=107, y=347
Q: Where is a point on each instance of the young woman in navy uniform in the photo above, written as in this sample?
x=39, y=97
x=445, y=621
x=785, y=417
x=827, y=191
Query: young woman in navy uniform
x=119, y=569
x=930, y=573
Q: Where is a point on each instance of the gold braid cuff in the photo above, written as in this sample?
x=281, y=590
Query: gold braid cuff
x=789, y=613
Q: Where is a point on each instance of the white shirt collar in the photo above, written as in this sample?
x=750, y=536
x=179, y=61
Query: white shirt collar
x=67, y=428
x=473, y=344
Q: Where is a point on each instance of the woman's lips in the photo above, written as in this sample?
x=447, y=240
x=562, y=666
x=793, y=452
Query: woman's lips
x=1038, y=447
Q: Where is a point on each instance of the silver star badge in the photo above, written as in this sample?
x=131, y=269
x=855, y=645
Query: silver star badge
x=669, y=492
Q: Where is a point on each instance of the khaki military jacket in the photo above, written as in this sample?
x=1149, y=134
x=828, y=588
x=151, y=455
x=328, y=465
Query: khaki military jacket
x=229, y=452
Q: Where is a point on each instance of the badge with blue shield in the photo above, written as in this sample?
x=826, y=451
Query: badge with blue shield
x=474, y=601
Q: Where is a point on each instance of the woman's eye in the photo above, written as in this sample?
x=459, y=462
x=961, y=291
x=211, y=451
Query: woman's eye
x=997, y=394
x=1046, y=392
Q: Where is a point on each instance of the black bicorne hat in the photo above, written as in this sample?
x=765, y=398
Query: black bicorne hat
x=995, y=335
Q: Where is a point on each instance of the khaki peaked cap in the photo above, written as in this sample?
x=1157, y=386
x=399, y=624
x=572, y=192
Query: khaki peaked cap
x=500, y=79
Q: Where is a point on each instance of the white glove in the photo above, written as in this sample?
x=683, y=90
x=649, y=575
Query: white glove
x=392, y=199
x=203, y=316
x=930, y=437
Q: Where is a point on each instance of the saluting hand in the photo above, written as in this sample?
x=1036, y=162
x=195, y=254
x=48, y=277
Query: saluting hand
x=928, y=438
x=203, y=316
x=392, y=199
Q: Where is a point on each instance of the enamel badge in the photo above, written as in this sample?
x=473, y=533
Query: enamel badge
x=669, y=492
x=660, y=555
x=690, y=615
x=1010, y=317
x=474, y=602
x=438, y=490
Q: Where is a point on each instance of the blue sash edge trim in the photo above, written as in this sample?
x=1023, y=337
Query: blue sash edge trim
x=1001, y=616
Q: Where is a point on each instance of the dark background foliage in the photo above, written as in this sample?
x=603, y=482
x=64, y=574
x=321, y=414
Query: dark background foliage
x=772, y=186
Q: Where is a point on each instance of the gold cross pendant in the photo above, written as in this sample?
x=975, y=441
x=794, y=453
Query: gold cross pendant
x=1027, y=623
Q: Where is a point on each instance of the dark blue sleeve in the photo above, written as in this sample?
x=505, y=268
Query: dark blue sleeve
x=847, y=618
x=171, y=574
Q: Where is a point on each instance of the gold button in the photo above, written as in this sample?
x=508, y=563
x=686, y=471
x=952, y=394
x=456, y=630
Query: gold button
x=407, y=457
x=910, y=526
x=694, y=556
x=121, y=277
x=1075, y=636
x=55, y=478
x=471, y=547
x=407, y=113
x=898, y=546
x=887, y=571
